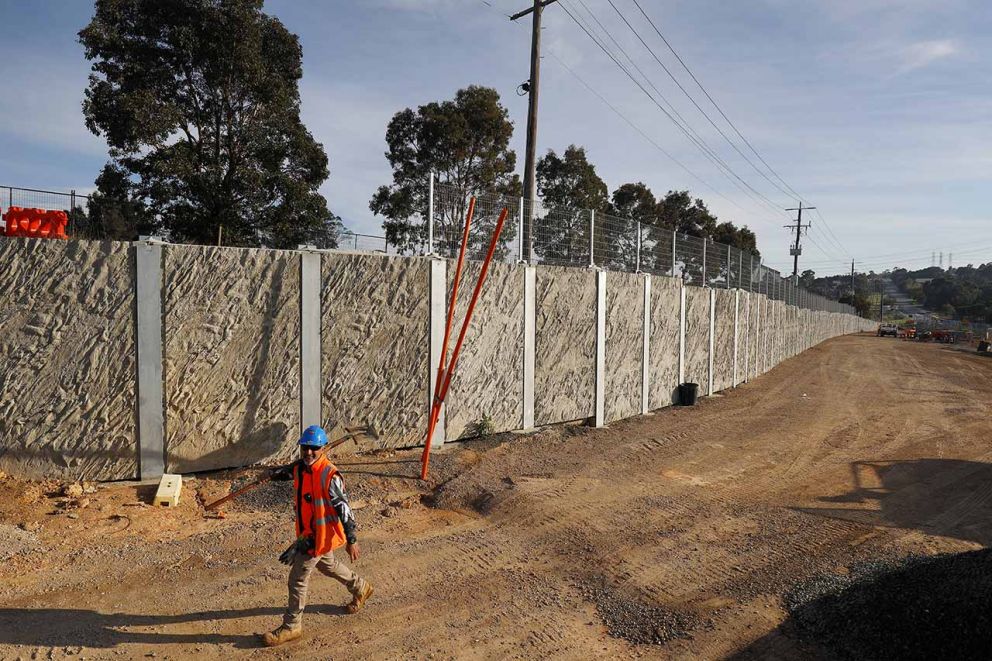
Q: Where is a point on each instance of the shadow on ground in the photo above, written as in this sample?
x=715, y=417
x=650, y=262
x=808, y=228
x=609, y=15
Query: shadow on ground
x=947, y=497
x=67, y=627
x=914, y=608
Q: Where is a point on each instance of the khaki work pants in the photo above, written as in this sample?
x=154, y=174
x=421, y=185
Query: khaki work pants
x=299, y=579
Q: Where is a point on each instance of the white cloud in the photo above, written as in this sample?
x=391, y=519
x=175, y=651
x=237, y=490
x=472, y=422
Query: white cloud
x=925, y=53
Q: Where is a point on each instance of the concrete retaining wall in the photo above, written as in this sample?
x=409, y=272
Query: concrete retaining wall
x=67, y=387
x=565, y=350
x=664, y=358
x=231, y=329
x=374, y=345
x=624, y=349
x=235, y=325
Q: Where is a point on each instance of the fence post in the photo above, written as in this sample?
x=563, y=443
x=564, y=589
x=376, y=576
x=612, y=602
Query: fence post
x=709, y=380
x=740, y=269
x=638, y=269
x=430, y=215
x=674, y=235
x=530, y=337
x=148, y=315
x=681, y=333
x=438, y=288
x=646, y=347
x=737, y=318
x=728, y=267
x=706, y=240
x=310, y=413
x=592, y=244
x=600, y=407
x=520, y=233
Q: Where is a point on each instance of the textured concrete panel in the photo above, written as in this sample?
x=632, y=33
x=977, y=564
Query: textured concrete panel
x=565, y=352
x=375, y=350
x=624, y=344
x=758, y=302
x=697, y=328
x=232, y=356
x=723, y=341
x=488, y=381
x=67, y=386
x=664, y=341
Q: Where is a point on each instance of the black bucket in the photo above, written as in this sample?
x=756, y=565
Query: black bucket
x=687, y=394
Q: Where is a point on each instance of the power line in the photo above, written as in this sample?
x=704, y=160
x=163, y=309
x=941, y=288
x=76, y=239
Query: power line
x=664, y=111
x=629, y=122
x=693, y=100
x=725, y=117
x=712, y=100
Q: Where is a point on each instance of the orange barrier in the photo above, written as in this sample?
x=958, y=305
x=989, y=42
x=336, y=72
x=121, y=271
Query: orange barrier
x=35, y=223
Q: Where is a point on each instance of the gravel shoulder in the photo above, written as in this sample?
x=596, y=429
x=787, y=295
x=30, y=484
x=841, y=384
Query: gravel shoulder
x=691, y=533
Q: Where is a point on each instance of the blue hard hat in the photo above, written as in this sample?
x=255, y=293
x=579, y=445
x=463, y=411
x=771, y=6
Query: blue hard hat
x=314, y=436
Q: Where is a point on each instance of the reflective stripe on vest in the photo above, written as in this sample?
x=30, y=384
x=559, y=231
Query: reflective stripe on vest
x=317, y=518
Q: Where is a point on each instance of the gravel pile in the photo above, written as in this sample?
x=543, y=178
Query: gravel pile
x=911, y=608
x=635, y=621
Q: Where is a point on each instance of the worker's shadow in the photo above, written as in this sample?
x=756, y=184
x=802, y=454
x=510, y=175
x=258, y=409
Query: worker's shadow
x=67, y=627
x=946, y=497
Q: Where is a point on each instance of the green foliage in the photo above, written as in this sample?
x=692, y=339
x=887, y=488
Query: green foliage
x=465, y=142
x=484, y=426
x=199, y=103
x=569, y=188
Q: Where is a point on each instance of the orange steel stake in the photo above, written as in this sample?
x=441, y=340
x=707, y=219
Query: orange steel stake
x=439, y=397
x=435, y=403
x=451, y=307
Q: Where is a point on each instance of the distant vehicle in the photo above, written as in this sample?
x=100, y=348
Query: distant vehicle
x=888, y=329
x=907, y=331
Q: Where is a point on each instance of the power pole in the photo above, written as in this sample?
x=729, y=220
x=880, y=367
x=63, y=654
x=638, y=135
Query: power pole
x=532, y=86
x=796, y=248
x=852, y=280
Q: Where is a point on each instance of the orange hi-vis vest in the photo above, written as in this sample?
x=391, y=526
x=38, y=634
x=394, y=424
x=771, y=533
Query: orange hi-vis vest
x=315, y=516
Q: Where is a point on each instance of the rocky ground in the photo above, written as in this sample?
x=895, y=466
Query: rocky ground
x=836, y=507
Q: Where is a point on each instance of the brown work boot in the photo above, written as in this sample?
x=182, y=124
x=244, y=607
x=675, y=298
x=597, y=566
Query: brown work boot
x=281, y=635
x=359, y=598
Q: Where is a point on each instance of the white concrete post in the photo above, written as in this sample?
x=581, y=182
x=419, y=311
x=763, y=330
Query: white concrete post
x=681, y=333
x=530, y=338
x=148, y=314
x=310, y=413
x=646, y=347
x=438, y=314
x=709, y=385
x=747, y=337
x=600, y=410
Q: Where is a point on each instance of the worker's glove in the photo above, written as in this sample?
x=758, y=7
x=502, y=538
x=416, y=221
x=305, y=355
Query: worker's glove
x=282, y=474
x=300, y=547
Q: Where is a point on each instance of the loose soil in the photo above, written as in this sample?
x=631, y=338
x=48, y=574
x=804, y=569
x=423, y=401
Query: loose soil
x=742, y=526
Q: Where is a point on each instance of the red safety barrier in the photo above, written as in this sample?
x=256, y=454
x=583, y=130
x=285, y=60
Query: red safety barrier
x=35, y=223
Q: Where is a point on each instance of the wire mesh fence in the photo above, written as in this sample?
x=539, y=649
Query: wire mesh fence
x=354, y=241
x=75, y=205
x=568, y=235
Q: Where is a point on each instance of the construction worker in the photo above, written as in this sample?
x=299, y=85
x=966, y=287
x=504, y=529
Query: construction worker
x=324, y=522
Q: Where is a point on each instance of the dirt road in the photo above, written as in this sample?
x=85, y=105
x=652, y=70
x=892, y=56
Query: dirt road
x=675, y=535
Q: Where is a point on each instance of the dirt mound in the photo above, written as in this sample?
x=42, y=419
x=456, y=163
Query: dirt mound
x=912, y=608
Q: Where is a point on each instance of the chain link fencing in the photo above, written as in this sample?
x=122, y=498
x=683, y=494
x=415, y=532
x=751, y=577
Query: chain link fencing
x=566, y=235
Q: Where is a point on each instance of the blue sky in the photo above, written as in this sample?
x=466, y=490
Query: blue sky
x=879, y=112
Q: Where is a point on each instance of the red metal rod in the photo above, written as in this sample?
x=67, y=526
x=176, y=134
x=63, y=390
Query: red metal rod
x=439, y=398
x=433, y=417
